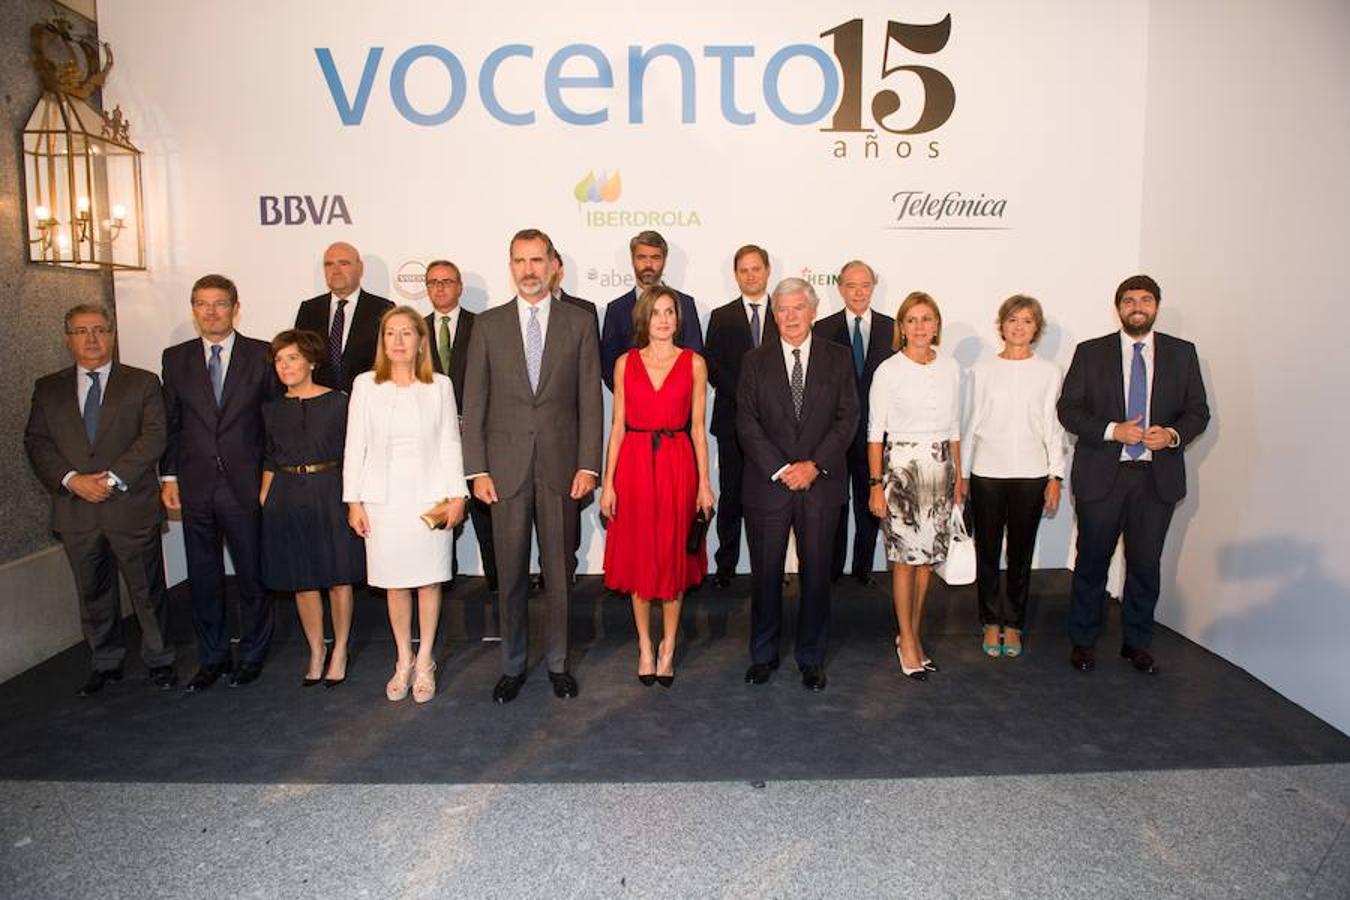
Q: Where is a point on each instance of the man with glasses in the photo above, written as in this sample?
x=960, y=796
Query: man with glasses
x=450, y=326
x=214, y=389
x=94, y=437
x=347, y=316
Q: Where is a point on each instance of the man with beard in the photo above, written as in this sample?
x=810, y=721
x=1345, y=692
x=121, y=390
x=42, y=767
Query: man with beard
x=1134, y=399
x=649, y=252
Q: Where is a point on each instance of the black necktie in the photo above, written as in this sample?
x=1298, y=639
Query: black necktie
x=335, y=342
x=797, y=383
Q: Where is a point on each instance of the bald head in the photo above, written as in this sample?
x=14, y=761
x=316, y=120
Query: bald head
x=342, y=268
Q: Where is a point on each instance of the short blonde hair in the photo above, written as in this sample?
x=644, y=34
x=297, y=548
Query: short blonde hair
x=1015, y=304
x=916, y=298
x=421, y=361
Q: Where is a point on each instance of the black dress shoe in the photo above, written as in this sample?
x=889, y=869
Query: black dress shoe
x=247, y=673
x=759, y=673
x=537, y=582
x=1142, y=660
x=204, y=677
x=564, y=685
x=723, y=578
x=1084, y=659
x=865, y=579
x=813, y=678
x=97, y=679
x=508, y=686
x=163, y=677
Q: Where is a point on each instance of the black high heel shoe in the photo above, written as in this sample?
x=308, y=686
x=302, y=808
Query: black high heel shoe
x=649, y=678
x=919, y=674
x=667, y=680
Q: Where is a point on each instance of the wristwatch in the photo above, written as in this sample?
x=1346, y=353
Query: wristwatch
x=875, y=482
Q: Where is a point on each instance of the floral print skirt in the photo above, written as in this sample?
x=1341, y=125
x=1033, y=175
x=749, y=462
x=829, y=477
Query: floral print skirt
x=919, y=484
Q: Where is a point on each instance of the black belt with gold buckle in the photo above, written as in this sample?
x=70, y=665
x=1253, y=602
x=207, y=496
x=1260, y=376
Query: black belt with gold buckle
x=308, y=468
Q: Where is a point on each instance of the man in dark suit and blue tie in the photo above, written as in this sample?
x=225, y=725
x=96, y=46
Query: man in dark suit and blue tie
x=649, y=251
x=867, y=335
x=734, y=329
x=214, y=389
x=347, y=316
x=450, y=326
x=1134, y=399
x=94, y=437
x=796, y=413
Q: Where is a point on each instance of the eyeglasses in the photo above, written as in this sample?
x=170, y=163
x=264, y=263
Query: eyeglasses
x=212, y=304
x=97, y=331
x=441, y=282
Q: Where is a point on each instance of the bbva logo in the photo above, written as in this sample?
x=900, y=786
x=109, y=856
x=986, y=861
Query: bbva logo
x=302, y=209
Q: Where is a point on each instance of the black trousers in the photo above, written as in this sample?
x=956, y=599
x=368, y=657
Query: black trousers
x=1014, y=506
x=95, y=558
x=207, y=530
x=730, y=468
x=480, y=514
x=865, y=525
x=1131, y=508
x=767, y=531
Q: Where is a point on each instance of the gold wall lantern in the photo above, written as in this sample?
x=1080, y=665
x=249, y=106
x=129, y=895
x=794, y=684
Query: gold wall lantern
x=81, y=171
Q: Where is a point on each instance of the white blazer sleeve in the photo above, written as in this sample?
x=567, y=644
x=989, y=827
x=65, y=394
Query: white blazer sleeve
x=878, y=403
x=955, y=428
x=450, y=449
x=354, y=452
x=1053, y=430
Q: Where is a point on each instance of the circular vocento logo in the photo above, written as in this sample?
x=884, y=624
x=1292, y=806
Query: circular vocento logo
x=410, y=280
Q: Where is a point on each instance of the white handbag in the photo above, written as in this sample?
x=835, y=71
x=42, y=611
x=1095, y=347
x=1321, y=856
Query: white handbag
x=959, y=566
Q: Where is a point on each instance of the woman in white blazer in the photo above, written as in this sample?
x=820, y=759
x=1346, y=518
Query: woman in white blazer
x=402, y=462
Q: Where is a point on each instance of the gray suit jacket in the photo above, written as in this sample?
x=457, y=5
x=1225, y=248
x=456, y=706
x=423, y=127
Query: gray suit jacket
x=130, y=439
x=506, y=426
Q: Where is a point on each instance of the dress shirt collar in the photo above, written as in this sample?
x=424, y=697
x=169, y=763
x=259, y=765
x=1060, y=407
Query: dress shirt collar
x=1127, y=344
x=350, y=298
x=102, y=371
x=226, y=346
x=788, y=348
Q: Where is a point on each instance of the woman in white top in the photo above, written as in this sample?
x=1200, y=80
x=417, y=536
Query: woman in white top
x=914, y=460
x=402, y=461
x=1016, y=458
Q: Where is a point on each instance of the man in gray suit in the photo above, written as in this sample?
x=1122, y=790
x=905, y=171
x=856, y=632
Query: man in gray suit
x=95, y=434
x=533, y=425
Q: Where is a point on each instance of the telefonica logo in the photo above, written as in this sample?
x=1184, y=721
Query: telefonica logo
x=605, y=189
x=577, y=83
x=952, y=211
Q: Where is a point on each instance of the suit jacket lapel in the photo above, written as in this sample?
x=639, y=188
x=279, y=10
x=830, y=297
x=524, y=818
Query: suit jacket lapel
x=67, y=415
x=196, y=364
x=358, y=312
x=517, y=342
x=878, y=345
x=1116, y=378
x=554, y=335
x=233, y=373
x=112, y=396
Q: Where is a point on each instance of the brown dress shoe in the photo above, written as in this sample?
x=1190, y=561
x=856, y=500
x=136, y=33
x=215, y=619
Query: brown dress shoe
x=1142, y=660
x=1084, y=659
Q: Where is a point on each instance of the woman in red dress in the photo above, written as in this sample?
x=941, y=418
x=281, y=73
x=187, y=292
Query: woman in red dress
x=656, y=477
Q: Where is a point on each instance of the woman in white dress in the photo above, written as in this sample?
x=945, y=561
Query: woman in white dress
x=914, y=460
x=402, y=461
x=1016, y=458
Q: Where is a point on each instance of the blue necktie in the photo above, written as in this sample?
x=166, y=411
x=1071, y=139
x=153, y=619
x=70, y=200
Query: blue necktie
x=213, y=369
x=859, y=355
x=534, y=348
x=1136, y=403
x=335, y=343
x=93, y=402
x=756, y=326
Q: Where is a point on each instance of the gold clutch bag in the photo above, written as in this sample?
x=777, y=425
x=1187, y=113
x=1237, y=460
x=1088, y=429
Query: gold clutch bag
x=436, y=517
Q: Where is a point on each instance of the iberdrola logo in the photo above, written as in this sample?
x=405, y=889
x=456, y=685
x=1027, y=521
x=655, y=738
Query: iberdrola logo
x=605, y=189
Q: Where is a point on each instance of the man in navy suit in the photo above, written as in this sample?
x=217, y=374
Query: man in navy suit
x=351, y=328
x=214, y=389
x=649, y=252
x=867, y=334
x=450, y=326
x=734, y=329
x=796, y=414
x=1134, y=399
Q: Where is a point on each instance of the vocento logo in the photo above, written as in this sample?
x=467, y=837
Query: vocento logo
x=605, y=189
x=577, y=84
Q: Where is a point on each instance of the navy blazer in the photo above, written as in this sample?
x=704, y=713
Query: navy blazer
x=358, y=354
x=203, y=438
x=729, y=339
x=1093, y=396
x=617, y=337
x=839, y=328
x=771, y=437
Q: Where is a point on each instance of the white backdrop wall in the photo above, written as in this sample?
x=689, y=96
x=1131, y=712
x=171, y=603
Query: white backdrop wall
x=232, y=105
x=1246, y=186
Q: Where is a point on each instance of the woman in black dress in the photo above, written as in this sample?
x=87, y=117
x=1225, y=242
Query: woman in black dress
x=307, y=546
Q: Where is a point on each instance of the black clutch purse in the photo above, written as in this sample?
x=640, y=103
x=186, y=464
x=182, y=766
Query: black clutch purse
x=698, y=530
